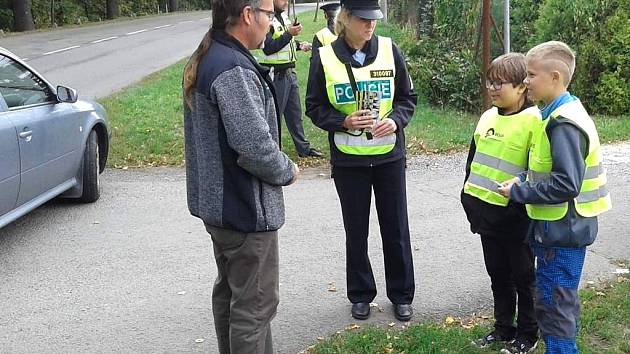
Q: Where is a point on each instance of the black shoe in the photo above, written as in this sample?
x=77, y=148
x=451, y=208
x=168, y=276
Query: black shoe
x=361, y=310
x=312, y=152
x=520, y=345
x=488, y=339
x=403, y=312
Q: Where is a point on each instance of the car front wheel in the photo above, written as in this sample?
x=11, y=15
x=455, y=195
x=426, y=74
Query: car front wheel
x=90, y=170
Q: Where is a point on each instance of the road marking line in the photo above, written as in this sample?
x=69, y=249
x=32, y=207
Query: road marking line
x=185, y=22
x=164, y=26
x=203, y=19
x=61, y=50
x=103, y=40
x=136, y=32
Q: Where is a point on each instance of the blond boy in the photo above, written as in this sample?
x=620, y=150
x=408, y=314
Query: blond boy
x=564, y=191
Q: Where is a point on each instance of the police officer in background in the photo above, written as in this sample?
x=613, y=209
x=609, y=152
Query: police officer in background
x=279, y=53
x=326, y=35
x=367, y=148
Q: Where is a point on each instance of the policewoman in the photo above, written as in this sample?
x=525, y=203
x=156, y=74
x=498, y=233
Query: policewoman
x=367, y=154
x=326, y=35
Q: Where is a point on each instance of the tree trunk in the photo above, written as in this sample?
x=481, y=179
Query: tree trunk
x=86, y=9
x=425, y=18
x=172, y=5
x=112, y=9
x=22, y=17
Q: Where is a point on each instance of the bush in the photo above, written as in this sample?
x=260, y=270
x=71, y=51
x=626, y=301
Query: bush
x=599, y=32
x=80, y=11
x=444, y=75
x=6, y=18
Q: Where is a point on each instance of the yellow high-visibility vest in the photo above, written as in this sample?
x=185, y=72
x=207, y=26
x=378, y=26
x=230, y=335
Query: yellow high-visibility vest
x=285, y=55
x=377, y=77
x=325, y=36
x=502, y=148
x=594, y=197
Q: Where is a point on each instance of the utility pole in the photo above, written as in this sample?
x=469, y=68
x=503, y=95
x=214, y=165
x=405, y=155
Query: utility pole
x=485, y=35
x=384, y=9
x=506, y=25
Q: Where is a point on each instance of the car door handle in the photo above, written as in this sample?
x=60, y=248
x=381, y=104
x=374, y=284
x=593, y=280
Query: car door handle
x=26, y=134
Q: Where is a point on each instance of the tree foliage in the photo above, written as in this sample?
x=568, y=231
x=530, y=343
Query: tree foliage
x=447, y=72
x=50, y=13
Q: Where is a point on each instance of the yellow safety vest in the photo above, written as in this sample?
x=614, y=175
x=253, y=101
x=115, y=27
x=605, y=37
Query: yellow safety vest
x=285, y=55
x=502, y=147
x=594, y=197
x=325, y=36
x=377, y=77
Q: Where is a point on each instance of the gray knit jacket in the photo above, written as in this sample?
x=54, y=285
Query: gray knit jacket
x=234, y=165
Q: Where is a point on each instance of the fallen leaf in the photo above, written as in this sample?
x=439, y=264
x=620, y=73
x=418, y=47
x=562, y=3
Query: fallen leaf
x=353, y=327
x=332, y=287
x=449, y=320
x=599, y=293
x=392, y=324
x=320, y=338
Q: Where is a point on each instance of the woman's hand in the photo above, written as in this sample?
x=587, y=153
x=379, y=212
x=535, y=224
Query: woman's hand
x=358, y=120
x=384, y=127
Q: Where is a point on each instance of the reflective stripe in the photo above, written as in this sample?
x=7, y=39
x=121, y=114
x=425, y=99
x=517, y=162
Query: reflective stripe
x=590, y=173
x=594, y=171
x=483, y=182
x=559, y=205
x=498, y=164
x=538, y=176
x=362, y=140
x=591, y=196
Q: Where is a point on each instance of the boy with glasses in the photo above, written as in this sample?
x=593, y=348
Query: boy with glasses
x=498, y=152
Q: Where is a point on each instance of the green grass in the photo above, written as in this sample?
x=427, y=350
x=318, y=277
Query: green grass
x=147, y=118
x=605, y=328
x=147, y=121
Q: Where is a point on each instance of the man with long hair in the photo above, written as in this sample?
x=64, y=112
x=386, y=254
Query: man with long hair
x=235, y=171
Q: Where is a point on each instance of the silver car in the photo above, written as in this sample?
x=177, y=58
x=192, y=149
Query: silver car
x=51, y=144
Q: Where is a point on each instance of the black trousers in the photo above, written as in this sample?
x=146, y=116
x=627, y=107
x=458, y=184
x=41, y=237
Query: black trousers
x=354, y=187
x=288, y=97
x=510, y=265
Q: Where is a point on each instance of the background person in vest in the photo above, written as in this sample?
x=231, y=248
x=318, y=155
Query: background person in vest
x=565, y=190
x=499, y=151
x=235, y=170
x=367, y=151
x=279, y=53
x=326, y=35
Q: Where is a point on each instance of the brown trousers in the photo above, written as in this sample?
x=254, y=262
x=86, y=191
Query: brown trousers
x=245, y=295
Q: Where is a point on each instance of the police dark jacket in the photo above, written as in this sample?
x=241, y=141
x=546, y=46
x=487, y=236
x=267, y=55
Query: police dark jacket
x=323, y=115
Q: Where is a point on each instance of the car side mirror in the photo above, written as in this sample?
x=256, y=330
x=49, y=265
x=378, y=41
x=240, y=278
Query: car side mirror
x=66, y=94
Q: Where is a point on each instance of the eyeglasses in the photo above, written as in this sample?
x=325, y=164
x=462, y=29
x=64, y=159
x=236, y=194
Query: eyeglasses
x=496, y=85
x=270, y=14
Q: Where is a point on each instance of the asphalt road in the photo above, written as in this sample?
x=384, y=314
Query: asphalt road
x=133, y=272
x=99, y=59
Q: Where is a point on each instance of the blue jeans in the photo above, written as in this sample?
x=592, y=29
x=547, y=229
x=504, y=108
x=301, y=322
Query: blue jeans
x=558, y=273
